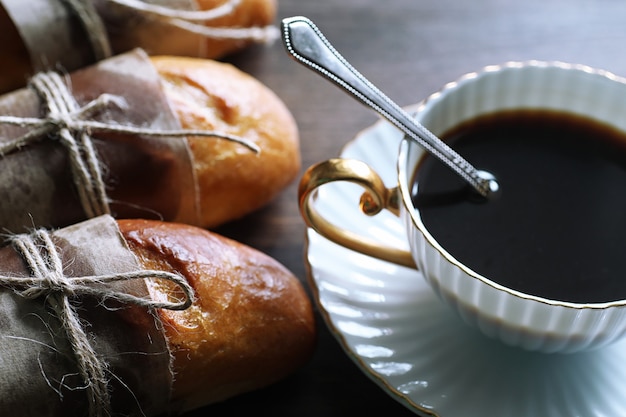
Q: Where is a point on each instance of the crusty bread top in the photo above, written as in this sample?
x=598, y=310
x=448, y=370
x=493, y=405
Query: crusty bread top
x=252, y=322
x=233, y=181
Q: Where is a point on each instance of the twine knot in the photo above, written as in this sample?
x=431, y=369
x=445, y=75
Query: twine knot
x=48, y=280
x=72, y=120
x=51, y=282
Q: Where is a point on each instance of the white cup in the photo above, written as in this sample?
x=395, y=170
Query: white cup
x=516, y=318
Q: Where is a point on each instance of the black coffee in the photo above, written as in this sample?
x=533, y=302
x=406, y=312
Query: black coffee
x=558, y=229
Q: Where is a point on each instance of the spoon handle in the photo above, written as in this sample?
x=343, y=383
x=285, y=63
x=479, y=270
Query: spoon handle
x=306, y=43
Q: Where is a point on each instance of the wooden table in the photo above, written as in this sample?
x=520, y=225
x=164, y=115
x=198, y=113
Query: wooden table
x=409, y=48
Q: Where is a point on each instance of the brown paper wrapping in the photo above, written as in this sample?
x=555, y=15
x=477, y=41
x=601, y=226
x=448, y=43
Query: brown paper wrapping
x=148, y=177
x=37, y=369
x=48, y=41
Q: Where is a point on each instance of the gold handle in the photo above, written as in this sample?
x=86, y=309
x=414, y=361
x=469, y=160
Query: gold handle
x=373, y=200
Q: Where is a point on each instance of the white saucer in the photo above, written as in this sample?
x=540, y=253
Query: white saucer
x=398, y=332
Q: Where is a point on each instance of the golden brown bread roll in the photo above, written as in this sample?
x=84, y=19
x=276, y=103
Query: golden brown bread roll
x=232, y=180
x=251, y=325
x=124, y=28
x=200, y=180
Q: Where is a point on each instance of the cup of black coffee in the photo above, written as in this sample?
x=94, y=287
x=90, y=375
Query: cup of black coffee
x=543, y=265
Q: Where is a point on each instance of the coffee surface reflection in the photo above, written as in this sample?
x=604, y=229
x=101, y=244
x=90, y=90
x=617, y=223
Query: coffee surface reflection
x=558, y=228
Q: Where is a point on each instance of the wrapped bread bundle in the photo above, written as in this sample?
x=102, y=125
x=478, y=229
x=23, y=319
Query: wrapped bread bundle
x=40, y=35
x=178, y=139
x=140, y=317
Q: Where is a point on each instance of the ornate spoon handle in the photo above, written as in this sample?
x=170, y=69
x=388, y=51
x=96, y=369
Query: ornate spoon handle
x=306, y=43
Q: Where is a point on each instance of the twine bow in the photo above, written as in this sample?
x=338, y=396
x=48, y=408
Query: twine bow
x=70, y=124
x=47, y=280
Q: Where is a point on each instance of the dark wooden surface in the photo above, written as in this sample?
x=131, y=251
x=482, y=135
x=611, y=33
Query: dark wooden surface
x=409, y=49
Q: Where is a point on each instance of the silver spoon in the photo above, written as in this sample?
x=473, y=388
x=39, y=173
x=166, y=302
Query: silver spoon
x=306, y=43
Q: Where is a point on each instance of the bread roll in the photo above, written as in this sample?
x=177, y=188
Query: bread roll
x=205, y=180
x=126, y=29
x=251, y=325
x=209, y=95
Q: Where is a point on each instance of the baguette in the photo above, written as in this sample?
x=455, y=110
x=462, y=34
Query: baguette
x=232, y=180
x=251, y=325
